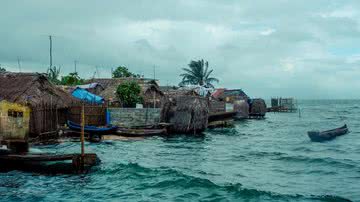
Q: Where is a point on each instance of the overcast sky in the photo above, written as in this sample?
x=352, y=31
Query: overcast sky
x=306, y=49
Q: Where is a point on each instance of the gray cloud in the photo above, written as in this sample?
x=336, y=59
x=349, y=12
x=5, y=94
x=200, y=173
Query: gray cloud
x=269, y=48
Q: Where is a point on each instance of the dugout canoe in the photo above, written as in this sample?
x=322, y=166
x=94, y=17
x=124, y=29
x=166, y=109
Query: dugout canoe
x=317, y=136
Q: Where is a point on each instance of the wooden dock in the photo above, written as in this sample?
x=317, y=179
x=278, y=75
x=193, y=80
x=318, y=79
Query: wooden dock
x=281, y=109
x=283, y=105
x=221, y=116
x=256, y=116
x=48, y=163
x=221, y=119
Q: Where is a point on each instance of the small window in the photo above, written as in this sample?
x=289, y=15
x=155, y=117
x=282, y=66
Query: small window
x=12, y=113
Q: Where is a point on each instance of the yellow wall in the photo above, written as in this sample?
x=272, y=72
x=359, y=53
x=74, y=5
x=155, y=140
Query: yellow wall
x=14, y=121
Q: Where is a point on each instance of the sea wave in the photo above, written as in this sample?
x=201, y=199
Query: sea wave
x=325, y=160
x=164, y=178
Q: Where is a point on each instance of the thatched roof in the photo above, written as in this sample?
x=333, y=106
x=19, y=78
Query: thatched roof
x=257, y=107
x=187, y=114
x=242, y=108
x=223, y=93
x=167, y=88
x=32, y=89
x=173, y=93
x=111, y=84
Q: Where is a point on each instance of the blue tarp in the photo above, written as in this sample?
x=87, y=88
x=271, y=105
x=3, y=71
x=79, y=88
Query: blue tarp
x=86, y=96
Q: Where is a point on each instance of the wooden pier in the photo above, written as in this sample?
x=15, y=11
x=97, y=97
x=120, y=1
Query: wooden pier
x=283, y=105
x=48, y=163
x=221, y=119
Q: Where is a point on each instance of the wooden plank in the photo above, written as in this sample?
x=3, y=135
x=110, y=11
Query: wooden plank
x=40, y=157
x=220, y=116
x=37, y=157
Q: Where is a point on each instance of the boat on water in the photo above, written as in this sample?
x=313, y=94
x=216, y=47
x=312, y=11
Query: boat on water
x=92, y=129
x=130, y=132
x=320, y=136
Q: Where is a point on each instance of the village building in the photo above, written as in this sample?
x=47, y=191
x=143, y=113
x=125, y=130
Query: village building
x=173, y=93
x=152, y=95
x=47, y=102
x=87, y=97
x=186, y=111
x=229, y=95
x=94, y=88
x=14, y=122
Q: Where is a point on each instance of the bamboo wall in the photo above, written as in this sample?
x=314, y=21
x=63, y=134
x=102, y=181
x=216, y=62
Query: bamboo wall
x=95, y=115
x=217, y=106
x=46, y=119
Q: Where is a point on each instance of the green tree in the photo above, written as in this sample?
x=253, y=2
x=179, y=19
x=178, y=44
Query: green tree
x=53, y=75
x=121, y=72
x=129, y=94
x=2, y=69
x=198, y=74
x=72, y=79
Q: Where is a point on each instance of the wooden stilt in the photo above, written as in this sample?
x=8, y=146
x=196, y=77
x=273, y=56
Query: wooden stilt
x=82, y=135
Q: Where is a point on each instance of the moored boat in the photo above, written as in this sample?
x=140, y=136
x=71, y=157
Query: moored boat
x=129, y=132
x=92, y=129
x=318, y=136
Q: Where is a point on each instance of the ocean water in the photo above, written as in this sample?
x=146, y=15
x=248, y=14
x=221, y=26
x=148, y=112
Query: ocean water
x=257, y=160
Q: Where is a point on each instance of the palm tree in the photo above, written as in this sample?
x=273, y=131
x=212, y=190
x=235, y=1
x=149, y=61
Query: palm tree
x=198, y=74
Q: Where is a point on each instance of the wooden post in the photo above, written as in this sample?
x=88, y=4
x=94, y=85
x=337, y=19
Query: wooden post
x=154, y=91
x=82, y=158
x=82, y=130
x=154, y=100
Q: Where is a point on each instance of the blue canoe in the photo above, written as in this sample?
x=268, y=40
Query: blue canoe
x=92, y=129
x=317, y=136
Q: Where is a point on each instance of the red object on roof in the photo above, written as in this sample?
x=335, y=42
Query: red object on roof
x=218, y=92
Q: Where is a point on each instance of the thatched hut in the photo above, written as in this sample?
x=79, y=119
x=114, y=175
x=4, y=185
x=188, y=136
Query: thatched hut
x=47, y=102
x=174, y=93
x=229, y=95
x=93, y=88
x=150, y=91
x=242, y=109
x=187, y=114
x=257, y=108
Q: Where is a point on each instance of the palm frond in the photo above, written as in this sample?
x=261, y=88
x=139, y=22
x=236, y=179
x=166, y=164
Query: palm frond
x=190, y=71
x=197, y=74
x=209, y=85
x=211, y=79
x=206, y=68
x=208, y=74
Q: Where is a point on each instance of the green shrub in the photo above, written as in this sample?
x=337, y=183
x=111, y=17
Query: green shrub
x=129, y=93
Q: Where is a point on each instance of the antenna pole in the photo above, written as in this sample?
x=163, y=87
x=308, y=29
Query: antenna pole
x=154, y=72
x=19, y=65
x=50, y=38
x=75, y=62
